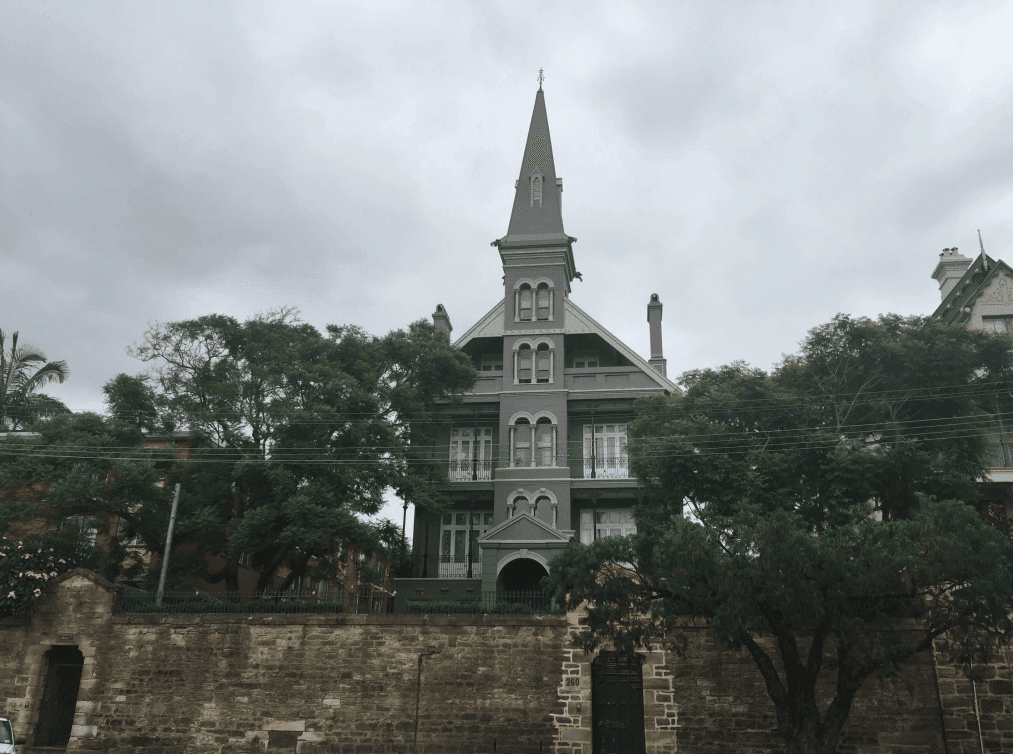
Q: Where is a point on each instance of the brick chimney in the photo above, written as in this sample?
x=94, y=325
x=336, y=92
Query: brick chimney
x=442, y=320
x=657, y=359
x=950, y=269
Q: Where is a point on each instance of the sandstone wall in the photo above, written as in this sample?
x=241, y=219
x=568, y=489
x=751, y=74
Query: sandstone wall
x=336, y=684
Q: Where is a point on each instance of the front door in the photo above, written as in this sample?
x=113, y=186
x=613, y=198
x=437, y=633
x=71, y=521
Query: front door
x=617, y=704
x=59, y=696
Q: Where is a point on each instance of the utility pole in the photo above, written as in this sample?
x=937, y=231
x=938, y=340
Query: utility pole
x=168, y=547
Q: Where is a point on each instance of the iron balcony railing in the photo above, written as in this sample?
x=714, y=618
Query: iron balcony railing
x=1000, y=455
x=617, y=467
x=446, y=567
x=470, y=471
x=534, y=602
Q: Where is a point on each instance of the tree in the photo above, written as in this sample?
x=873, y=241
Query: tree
x=298, y=434
x=23, y=371
x=132, y=400
x=80, y=473
x=832, y=526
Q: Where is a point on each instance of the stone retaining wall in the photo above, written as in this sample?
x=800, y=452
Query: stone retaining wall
x=503, y=684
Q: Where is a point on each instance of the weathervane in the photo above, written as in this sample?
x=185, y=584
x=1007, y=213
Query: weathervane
x=541, y=78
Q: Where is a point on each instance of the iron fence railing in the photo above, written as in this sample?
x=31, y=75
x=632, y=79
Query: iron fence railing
x=137, y=601
x=494, y=603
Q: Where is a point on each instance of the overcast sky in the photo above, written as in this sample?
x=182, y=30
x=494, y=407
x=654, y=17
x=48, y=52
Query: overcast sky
x=760, y=166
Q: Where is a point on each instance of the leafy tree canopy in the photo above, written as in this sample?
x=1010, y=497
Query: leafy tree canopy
x=82, y=474
x=297, y=433
x=832, y=524
x=24, y=369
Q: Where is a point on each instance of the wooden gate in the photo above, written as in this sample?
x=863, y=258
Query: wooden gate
x=617, y=704
x=59, y=696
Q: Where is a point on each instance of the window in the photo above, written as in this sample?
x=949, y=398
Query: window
x=543, y=302
x=605, y=457
x=1001, y=323
x=536, y=189
x=533, y=445
x=492, y=363
x=524, y=364
x=521, y=443
x=524, y=301
x=460, y=555
x=617, y=522
x=470, y=454
x=543, y=504
x=545, y=442
x=543, y=362
x=585, y=360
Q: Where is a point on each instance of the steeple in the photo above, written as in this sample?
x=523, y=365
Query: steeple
x=536, y=221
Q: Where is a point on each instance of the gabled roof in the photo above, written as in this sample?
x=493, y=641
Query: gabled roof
x=523, y=527
x=578, y=322
x=972, y=284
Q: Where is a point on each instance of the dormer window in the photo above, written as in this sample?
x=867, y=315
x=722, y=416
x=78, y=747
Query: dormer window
x=524, y=302
x=536, y=189
x=544, y=302
x=492, y=363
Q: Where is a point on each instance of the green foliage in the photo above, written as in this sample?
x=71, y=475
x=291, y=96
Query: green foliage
x=132, y=400
x=83, y=466
x=785, y=477
x=23, y=370
x=26, y=567
x=299, y=434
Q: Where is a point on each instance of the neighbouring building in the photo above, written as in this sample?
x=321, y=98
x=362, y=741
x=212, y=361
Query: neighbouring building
x=978, y=293
x=536, y=453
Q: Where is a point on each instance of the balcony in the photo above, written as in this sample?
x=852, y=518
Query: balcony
x=1000, y=455
x=445, y=567
x=470, y=471
x=606, y=468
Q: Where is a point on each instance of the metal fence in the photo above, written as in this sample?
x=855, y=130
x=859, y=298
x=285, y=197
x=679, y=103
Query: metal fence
x=442, y=567
x=492, y=603
x=138, y=601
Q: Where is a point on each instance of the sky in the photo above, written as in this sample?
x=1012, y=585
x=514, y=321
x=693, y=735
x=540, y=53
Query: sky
x=760, y=166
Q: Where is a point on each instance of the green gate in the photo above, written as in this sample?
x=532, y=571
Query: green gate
x=617, y=703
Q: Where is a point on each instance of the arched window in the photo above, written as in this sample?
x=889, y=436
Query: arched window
x=524, y=302
x=543, y=504
x=523, y=364
x=520, y=443
x=536, y=190
x=515, y=502
x=545, y=442
x=543, y=302
x=543, y=363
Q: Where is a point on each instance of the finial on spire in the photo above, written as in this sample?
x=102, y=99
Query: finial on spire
x=984, y=259
x=541, y=78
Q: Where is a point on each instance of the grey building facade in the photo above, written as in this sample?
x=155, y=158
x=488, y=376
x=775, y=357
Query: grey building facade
x=536, y=453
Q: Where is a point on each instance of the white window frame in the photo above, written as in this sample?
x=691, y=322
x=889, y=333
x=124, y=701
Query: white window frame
x=470, y=454
x=608, y=457
x=459, y=534
x=608, y=522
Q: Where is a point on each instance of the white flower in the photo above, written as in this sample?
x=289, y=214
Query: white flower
x=38, y=592
x=11, y=596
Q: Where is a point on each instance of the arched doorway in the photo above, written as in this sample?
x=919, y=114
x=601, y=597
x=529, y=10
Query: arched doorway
x=521, y=575
x=59, y=696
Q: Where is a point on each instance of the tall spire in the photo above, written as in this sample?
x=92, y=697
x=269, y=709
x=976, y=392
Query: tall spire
x=537, y=214
x=984, y=258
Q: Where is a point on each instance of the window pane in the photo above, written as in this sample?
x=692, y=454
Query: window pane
x=462, y=519
x=445, y=544
x=459, y=539
x=488, y=519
